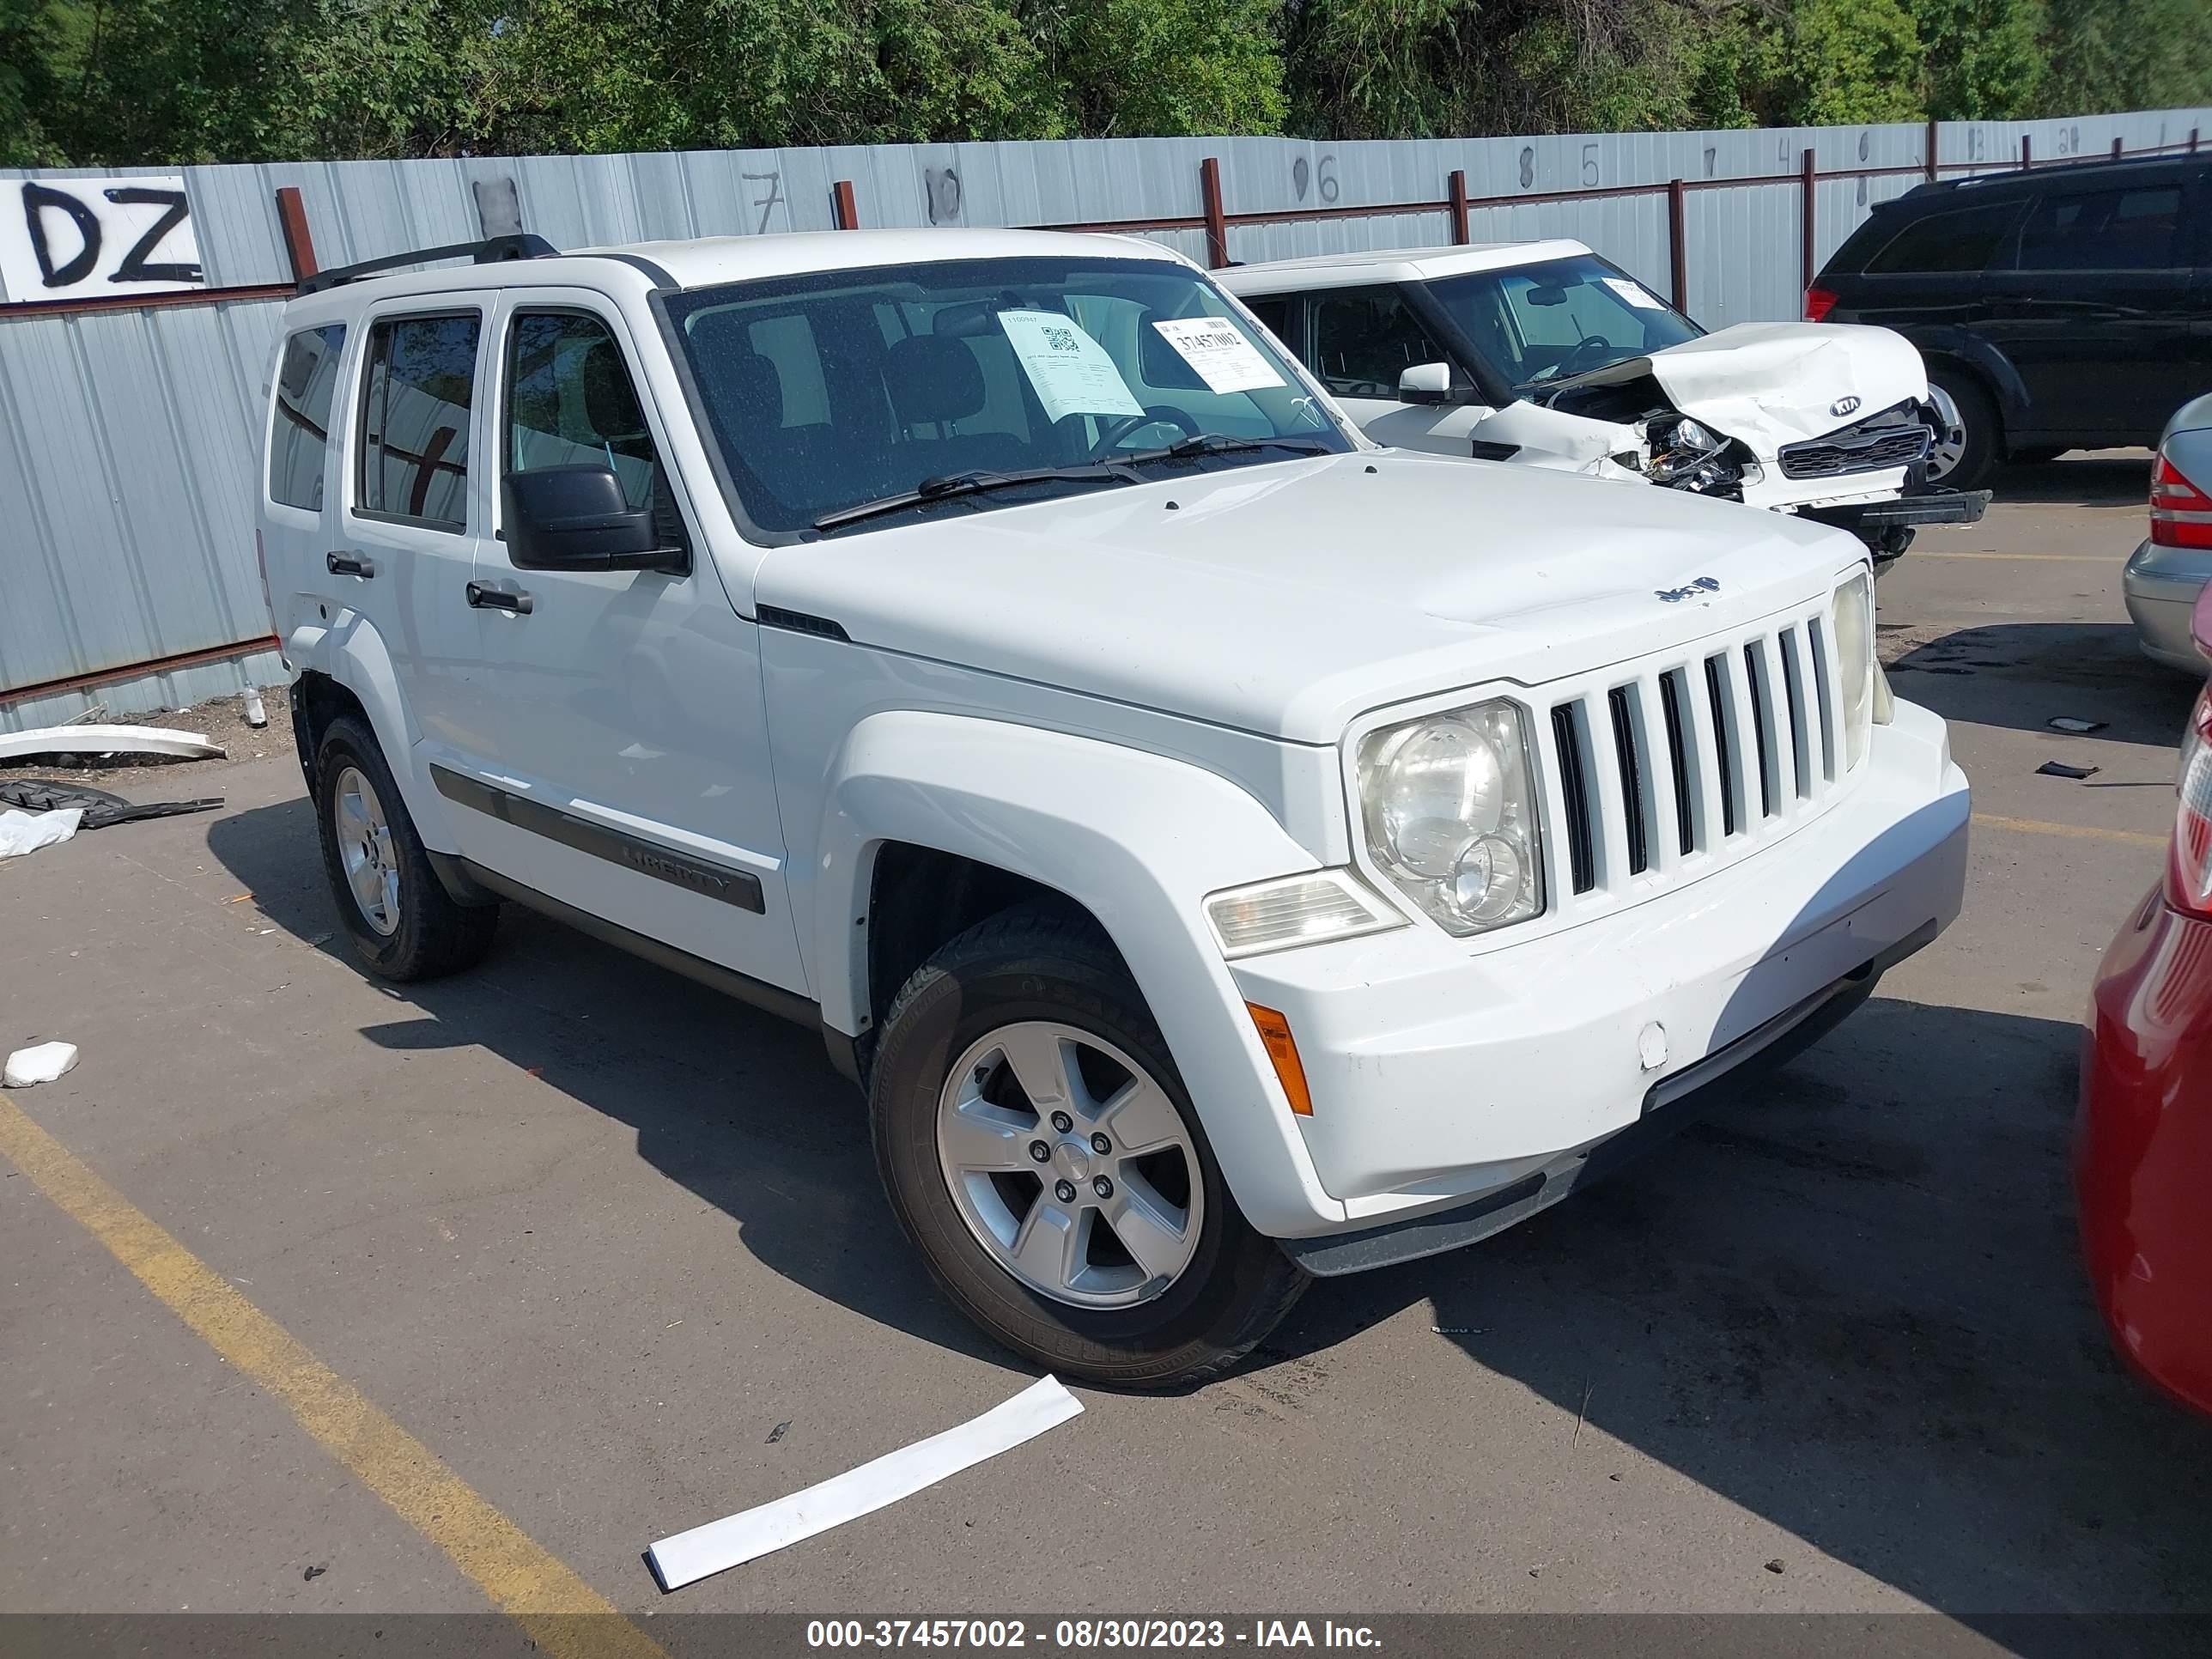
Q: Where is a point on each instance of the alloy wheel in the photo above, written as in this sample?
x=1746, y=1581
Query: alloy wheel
x=366, y=852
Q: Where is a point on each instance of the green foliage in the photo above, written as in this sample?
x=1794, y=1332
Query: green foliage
x=95, y=82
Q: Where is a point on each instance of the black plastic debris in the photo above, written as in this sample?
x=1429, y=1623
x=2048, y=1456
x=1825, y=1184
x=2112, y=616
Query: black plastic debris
x=100, y=808
x=2060, y=769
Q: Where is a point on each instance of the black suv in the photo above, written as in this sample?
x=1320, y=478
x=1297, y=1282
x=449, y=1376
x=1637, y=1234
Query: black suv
x=2061, y=307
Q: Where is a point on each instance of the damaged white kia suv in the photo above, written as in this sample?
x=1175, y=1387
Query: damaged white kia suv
x=1544, y=355
x=1224, y=851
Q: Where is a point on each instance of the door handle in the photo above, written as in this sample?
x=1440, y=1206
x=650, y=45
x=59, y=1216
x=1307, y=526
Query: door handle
x=499, y=598
x=349, y=564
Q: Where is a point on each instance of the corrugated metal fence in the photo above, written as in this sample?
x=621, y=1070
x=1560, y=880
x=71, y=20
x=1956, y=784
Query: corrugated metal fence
x=130, y=432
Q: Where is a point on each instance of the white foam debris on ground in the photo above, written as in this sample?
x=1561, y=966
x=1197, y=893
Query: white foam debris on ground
x=26, y=832
x=687, y=1557
x=42, y=1063
x=108, y=740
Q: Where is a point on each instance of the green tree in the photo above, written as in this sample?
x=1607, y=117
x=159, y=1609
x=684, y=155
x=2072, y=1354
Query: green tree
x=1985, y=59
x=1842, y=63
x=2126, y=54
x=1164, y=67
x=30, y=51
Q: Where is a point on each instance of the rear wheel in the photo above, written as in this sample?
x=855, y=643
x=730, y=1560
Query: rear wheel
x=1968, y=434
x=1039, y=1148
x=402, y=922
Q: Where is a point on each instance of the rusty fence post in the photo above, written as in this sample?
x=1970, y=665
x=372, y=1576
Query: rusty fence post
x=1807, y=250
x=843, y=210
x=1217, y=224
x=2117, y=151
x=1678, y=255
x=1934, y=133
x=1455, y=188
x=299, y=243
x=2026, y=150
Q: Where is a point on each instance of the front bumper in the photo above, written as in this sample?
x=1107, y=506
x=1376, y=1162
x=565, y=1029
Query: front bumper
x=2162, y=585
x=1443, y=1075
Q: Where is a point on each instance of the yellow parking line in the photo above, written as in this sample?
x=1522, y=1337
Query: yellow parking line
x=2046, y=558
x=559, y=1611
x=2078, y=831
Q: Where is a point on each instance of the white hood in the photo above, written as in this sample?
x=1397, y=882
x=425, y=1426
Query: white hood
x=1771, y=384
x=1286, y=597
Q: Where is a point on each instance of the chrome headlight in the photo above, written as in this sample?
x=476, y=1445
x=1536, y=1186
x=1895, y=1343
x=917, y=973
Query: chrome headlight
x=1855, y=669
x=1450, y=815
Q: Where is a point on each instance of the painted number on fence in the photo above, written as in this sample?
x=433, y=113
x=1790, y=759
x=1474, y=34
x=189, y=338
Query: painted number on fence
x=80, y=238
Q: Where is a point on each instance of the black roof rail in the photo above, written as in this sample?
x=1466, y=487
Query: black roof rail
x=493, y=250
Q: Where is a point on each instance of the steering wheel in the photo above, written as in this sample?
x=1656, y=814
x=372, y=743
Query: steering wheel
x=1571, y=365
x=1154, y=415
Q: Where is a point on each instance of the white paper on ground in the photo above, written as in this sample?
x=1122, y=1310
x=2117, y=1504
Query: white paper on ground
x=1635, y=293
x=735, y=1539
x=1221, y=357
x=1071, y=370
x=26, y=832
x=42, y=1063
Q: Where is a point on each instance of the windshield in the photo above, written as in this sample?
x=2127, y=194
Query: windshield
x=1546, y=323
x=848, y=390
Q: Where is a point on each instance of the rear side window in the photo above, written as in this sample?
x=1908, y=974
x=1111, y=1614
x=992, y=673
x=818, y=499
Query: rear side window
x=2102, y=230
x=1365, y=338
x=1937, y=243
x=416, y=393
x=307, y=380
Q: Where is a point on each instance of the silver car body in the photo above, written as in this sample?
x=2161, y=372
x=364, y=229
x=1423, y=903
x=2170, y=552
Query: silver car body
x=2162, y=584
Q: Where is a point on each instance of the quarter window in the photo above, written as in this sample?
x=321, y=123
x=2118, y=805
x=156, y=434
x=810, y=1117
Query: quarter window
x=416, y=401
x=1942, y=243
x=570, y=402
x=306, y=379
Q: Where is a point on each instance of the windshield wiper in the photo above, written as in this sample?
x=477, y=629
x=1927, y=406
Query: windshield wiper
x=1215, y=443
x=972, y=483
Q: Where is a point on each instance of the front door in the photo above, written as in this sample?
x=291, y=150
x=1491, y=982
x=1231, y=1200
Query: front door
x=626, y=768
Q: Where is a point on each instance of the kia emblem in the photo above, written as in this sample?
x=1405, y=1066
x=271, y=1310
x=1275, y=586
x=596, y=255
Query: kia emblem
x=1843, y=406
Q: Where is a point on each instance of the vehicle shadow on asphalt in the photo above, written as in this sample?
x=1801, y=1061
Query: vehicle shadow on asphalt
x=1847, y=1301
x=2101, y=479
x=2020, y=675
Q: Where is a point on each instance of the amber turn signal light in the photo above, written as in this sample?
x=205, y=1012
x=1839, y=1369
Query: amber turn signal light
x=1275, y=1036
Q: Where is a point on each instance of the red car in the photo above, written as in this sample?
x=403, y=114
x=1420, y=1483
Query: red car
x=2142, y=1172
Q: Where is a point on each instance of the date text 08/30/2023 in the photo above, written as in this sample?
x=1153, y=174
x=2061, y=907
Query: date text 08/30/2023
x=1006, y=1635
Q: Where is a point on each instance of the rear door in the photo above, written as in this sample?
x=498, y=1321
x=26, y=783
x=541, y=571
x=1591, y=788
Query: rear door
x=414, y=508
x=2093, y=308
x=625, y=770
x=1927, y=272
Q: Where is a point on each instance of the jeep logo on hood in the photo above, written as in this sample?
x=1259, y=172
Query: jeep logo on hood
x=1844, y=406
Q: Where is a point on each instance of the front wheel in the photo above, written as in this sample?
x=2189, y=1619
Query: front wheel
x=1967, y=437
x=1039, y=1148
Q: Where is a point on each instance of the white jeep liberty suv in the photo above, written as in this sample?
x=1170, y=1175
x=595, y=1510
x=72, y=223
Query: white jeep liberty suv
x=1224, y=851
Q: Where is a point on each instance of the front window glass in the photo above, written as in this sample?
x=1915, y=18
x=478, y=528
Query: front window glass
x=1365, y=338
x=843, y=389
x=570, y=402
x=1544, y=323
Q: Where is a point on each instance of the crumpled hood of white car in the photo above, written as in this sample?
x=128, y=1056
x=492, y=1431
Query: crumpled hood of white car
x=1286, y=597
x=1771, y=384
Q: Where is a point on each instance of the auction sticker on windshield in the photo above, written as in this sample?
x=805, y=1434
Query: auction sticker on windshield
x=1071, y=370
x=1222, y=357
x=1635, y=293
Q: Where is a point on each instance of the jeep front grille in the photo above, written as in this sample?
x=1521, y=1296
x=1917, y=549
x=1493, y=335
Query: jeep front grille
x=1656, y=770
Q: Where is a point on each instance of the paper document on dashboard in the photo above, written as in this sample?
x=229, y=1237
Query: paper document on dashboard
x=1217, y=354
x=1071, y=370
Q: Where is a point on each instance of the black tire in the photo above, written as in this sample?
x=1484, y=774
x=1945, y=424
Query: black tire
x=1030, y=963
x=1982, y=432
x=433, y=934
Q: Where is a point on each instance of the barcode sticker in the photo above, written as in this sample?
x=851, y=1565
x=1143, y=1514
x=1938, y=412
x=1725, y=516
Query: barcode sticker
x=1071, y=370
x=1220, y=354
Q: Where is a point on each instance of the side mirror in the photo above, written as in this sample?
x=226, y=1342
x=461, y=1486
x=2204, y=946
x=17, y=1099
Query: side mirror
x=576, y=518
x=1432, y=382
